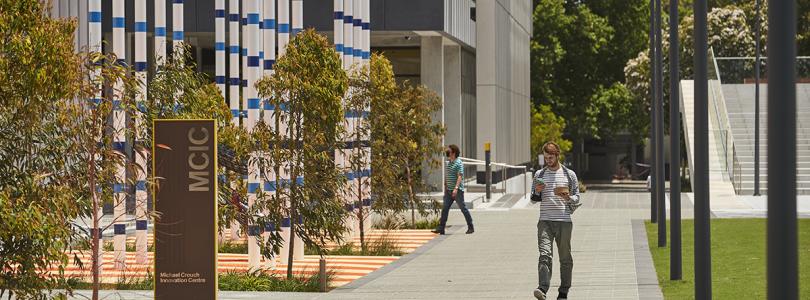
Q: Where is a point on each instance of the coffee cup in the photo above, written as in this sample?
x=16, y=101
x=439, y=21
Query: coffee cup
x=560, y=190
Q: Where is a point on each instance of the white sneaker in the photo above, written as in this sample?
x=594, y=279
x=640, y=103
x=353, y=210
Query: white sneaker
x=539, y=294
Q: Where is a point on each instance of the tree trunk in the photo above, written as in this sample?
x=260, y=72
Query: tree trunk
x=96, y=239
x=411, y=195
x=293, y=220
x=95, y=232
x=294, y=189
x=360, y=215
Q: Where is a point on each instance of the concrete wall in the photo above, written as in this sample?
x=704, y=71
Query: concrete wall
x=458, y=21
x=502, y=53
x=432, y=59
x=520, y=184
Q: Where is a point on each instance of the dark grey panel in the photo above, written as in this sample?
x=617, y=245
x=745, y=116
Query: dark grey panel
x=413, y=15
x=318, y=14
x=198, y=16
x=386, y=15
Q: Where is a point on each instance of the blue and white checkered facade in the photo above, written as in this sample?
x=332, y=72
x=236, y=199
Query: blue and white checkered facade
x=348, y=33
x=219, y=45
x=119, y=116
x=351, y=29
x=234, y=53
x=178, y=34
x=252, y=42
x=265, y=32
x=119, y=138
x=234, y=84
x=268, y=29
x=94, y=41
x=142, y=155
x=160, y=32
x=297, y=26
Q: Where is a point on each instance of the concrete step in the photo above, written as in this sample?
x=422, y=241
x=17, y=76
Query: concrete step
x=764, y=169
x=763, y=145
x=483, y=189
x=799, y=140
x=764, y=176
x=765, y=157
x=763, y=166
x=800, y=184
x=799, y=152
x=763, y=190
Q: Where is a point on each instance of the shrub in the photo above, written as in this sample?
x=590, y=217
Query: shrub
x=260, y=280
x=229, y=247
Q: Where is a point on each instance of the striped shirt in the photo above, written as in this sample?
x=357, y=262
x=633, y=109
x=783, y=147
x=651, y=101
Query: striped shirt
x=453, y=170
x=553, y=207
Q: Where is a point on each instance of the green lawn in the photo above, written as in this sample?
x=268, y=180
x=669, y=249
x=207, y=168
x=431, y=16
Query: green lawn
x=738, y=259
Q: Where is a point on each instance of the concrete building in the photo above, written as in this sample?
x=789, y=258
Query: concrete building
x=474, y=54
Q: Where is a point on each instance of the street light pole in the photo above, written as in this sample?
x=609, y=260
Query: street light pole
x=659, y=130
x=756, y=103
x=783, y=272
x=653, y=152
x=675, y=265
x=703, y=260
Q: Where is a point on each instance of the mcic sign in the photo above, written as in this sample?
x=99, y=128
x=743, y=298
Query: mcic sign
x=185, y=234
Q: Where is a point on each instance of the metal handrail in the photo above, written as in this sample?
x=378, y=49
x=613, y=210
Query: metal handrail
x=477, y=162
x=730, y=161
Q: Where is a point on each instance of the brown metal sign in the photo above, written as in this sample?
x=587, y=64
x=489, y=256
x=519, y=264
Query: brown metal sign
x=185, y=163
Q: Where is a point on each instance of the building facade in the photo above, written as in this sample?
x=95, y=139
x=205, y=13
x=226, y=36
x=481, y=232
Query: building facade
x=473, y=54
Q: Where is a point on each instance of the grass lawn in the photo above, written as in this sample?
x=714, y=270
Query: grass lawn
x=738, y=259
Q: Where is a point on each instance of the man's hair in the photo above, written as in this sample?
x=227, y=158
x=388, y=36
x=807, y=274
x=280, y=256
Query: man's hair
x=455, y=150
x=551, y=148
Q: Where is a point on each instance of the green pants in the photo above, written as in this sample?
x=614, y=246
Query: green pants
x=547, y=233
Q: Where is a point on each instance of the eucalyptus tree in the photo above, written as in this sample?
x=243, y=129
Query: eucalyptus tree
x=423, y=142
x=40, y=75
x=305, y=96
x=388, y=184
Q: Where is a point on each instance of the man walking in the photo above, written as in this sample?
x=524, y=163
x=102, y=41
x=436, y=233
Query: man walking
x=557, y=190
x=454, y=189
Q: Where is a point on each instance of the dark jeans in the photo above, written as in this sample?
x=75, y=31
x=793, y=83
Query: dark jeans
x=448, y=200
x=547, y=233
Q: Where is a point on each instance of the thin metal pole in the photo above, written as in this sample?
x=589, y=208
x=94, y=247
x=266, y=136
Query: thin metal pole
x=675, y=264
x=659, y=130
x=703, y=260
x=653, y=152
x=783, y=271
x=488, y=171
x=756, y=103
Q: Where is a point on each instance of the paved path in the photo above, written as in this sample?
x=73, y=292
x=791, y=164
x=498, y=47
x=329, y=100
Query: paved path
x=611, y=258
x=499, y=261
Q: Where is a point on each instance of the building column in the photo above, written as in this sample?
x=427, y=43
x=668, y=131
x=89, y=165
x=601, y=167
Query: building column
x=432, y=66
x=486, y=81
x=453, y=114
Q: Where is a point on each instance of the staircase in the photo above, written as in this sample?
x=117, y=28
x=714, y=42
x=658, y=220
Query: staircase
x=721, y=188
x=740, y=104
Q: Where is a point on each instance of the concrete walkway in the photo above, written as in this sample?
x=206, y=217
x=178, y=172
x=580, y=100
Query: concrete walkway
x=611, y=258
